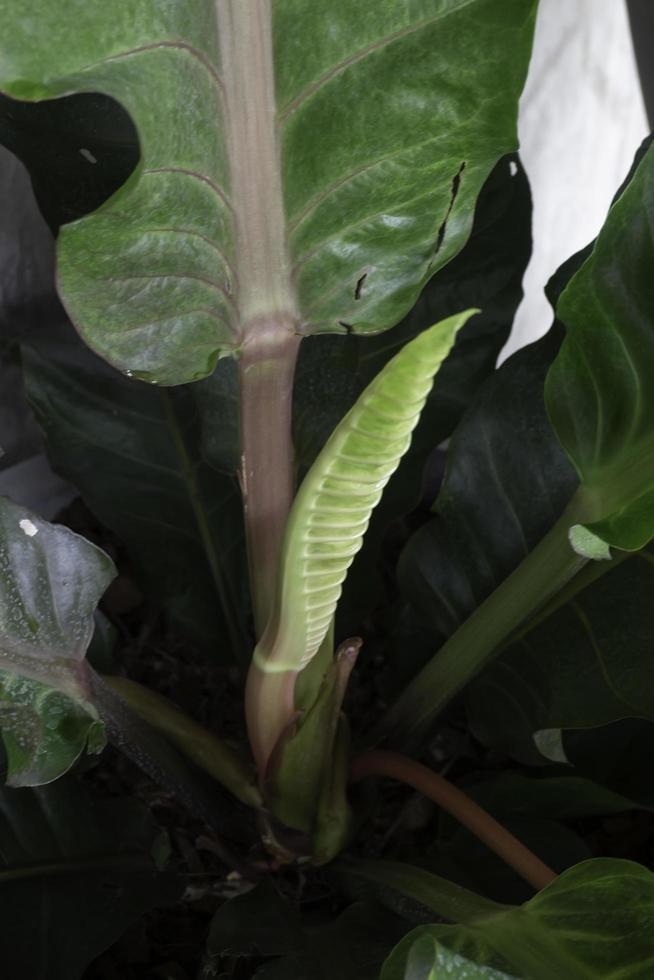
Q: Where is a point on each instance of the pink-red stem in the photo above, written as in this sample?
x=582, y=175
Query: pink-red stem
x=393, y=765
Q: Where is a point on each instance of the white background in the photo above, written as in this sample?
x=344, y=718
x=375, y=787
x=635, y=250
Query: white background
x=581, y=120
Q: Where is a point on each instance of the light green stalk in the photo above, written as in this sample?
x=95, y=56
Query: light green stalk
x=202, y=747
x=535, y=582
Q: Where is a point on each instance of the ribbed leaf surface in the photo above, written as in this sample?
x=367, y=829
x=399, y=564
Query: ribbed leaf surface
x=336, y=499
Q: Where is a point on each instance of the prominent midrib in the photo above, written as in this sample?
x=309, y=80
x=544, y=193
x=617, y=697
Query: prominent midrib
x=247, y=68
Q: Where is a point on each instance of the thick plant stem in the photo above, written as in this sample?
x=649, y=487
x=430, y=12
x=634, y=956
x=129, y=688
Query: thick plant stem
x=268, y=318
x=268, y=483
x=545, y=570
x=267, y=366
x=466, y=811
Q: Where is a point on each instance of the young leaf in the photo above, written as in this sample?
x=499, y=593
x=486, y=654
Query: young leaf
x=334, y=503
x=595, y=921
x=600, y=389
x=74, y=874
x=277, y=187
x=50, y=583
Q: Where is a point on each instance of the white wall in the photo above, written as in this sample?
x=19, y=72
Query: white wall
x=581, y=120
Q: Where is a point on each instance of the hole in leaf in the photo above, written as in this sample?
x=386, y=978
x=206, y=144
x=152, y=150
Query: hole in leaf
x=359, y=285
x=78, y=150
x=456, y=183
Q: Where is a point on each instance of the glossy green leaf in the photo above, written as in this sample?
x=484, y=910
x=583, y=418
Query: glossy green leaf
x=600, y=392
x=332, y=508
x=256, y=197
x=594, y=921
x=50, y=583
x=133, y=452
x=74, y=874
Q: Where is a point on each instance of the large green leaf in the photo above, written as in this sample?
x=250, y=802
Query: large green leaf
x=50, y=583
x=274, y=180
x=600, y=390
x=74, y=874
x=594, y=921
x=133, y=453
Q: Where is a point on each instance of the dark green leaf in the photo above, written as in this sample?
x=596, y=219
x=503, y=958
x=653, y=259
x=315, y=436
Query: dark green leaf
x=133, y=453
x=507, y=481
x=585, y=665
x=463, y=858
x=557, y=797
x=50, y=583
x=599, y=392
x=74, y=875
x=184, y=260
x=351, y=947
x=617, y=756
x=259, y=923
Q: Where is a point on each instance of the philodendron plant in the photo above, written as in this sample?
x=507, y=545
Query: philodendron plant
x=290, y=237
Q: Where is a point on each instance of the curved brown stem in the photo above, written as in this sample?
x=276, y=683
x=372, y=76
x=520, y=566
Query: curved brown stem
x=396, y=766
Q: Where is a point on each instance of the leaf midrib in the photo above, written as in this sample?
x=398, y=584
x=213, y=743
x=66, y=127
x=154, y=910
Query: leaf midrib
x=267, y=298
